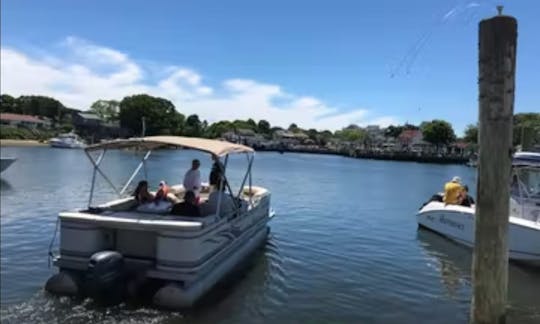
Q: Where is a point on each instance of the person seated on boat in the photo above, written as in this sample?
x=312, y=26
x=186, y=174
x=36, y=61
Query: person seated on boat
x=188, y=207
x=227, y=204
x=141, y=194
x=192, y=179
x=161, y=194
x=216, y=173
x=453, y=192
x=466, y=200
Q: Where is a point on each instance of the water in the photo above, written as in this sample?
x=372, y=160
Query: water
x=344, y=245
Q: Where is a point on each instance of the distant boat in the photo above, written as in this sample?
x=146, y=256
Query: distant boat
x=69, y=140
x=473, y=161
x=6, y=162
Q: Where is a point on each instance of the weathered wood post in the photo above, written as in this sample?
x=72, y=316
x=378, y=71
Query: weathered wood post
x=497, y=62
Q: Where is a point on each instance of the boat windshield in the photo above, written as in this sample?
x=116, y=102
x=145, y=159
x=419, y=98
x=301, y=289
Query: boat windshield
x=526, y=183
x=68, y=136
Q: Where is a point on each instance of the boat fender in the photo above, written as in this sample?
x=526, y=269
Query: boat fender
x=105, y=276
x=63, y=283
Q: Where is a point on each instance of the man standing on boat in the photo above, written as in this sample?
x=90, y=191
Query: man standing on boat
x=216, y=173
x=192, y=179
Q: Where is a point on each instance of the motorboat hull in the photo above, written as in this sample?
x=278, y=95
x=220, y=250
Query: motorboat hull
x=187, y=255
x=457, y=223
x=5, y=163
x=61, y=144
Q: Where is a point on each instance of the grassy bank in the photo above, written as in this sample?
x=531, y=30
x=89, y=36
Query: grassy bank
x=14, y=133
x=15, y=142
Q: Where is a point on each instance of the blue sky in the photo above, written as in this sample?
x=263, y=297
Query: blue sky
x=321, y=64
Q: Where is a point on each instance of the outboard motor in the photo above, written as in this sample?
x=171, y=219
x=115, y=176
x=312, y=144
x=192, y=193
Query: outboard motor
x=105, y=279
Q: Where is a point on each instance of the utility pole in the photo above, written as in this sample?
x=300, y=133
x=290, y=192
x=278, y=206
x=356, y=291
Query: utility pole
x=497, y=63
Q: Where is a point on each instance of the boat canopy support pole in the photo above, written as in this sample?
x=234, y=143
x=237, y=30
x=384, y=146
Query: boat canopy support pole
x=246, y=176
x=221, y=180
x=250, y=181
x=96, y=168
x=143, y=163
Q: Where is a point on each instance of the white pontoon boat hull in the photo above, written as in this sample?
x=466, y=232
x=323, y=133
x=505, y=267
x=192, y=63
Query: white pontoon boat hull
x=190, y=255
x=457, y=223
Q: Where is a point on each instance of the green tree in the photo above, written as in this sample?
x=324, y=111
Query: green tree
x=351, y=133
x=160, y=115
x=293, y=128
x=41, y=106
x=471, y=134
x=393, y=131
x=526, y=129
x=193, y=126
x=252, y=124
x=245, y=124
x=438, y=132
x=215, y=130
x=263, y=127
x=7, y=103
x=107, y=110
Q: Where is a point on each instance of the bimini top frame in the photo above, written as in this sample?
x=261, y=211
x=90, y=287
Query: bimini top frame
x=218, y=148
x=215, y=147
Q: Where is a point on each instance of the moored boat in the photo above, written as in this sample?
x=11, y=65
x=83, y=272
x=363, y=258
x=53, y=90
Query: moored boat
x=457, y=222
x=117, y=244
x=68, y=140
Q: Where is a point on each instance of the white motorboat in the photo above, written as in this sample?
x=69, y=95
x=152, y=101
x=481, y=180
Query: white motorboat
x=457, y=222
x=68, y=140
x=116, y=244
x=5, y=162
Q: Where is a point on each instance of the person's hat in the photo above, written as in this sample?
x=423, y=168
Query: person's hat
x=162, y=183
x=456, y=179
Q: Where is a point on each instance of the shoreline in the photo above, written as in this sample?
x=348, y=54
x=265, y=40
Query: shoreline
x=400, y=157
x=351, y=154
x=24, y=143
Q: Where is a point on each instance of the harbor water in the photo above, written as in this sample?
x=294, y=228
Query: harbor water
x=344, y=245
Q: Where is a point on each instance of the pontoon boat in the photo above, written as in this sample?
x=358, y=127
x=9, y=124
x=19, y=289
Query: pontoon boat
x=457, y=222
x=102, y=246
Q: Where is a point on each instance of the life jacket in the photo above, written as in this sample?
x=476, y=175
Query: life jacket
x=162, y=192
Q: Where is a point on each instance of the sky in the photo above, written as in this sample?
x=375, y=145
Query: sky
x=319, y=64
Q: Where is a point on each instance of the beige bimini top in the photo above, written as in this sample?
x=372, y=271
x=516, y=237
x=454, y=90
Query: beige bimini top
x=219, y=148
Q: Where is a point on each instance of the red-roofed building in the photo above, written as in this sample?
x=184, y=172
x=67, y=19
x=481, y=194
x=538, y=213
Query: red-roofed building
x=18, y=120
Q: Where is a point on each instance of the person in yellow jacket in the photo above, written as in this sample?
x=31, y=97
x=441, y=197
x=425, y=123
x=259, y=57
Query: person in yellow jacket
x=453, y=192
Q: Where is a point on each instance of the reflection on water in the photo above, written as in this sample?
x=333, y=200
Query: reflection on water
x=454, y=263
x=5, y=185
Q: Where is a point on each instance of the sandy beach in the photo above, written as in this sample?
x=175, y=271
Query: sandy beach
x=14, y=142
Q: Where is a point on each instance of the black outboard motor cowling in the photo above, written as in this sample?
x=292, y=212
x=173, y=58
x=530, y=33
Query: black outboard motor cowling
x=105, y=279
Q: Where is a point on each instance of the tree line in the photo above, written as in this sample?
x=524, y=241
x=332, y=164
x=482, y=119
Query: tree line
x=162, y=117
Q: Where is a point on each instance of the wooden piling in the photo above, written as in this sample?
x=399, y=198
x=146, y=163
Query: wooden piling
x=497, y=62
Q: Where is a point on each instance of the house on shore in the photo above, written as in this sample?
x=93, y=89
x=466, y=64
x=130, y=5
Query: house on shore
x=93, y=128
x=244, y=136
x=412, y=140
x=24, y=121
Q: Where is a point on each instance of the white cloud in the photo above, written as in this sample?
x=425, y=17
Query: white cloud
x=86, y=72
